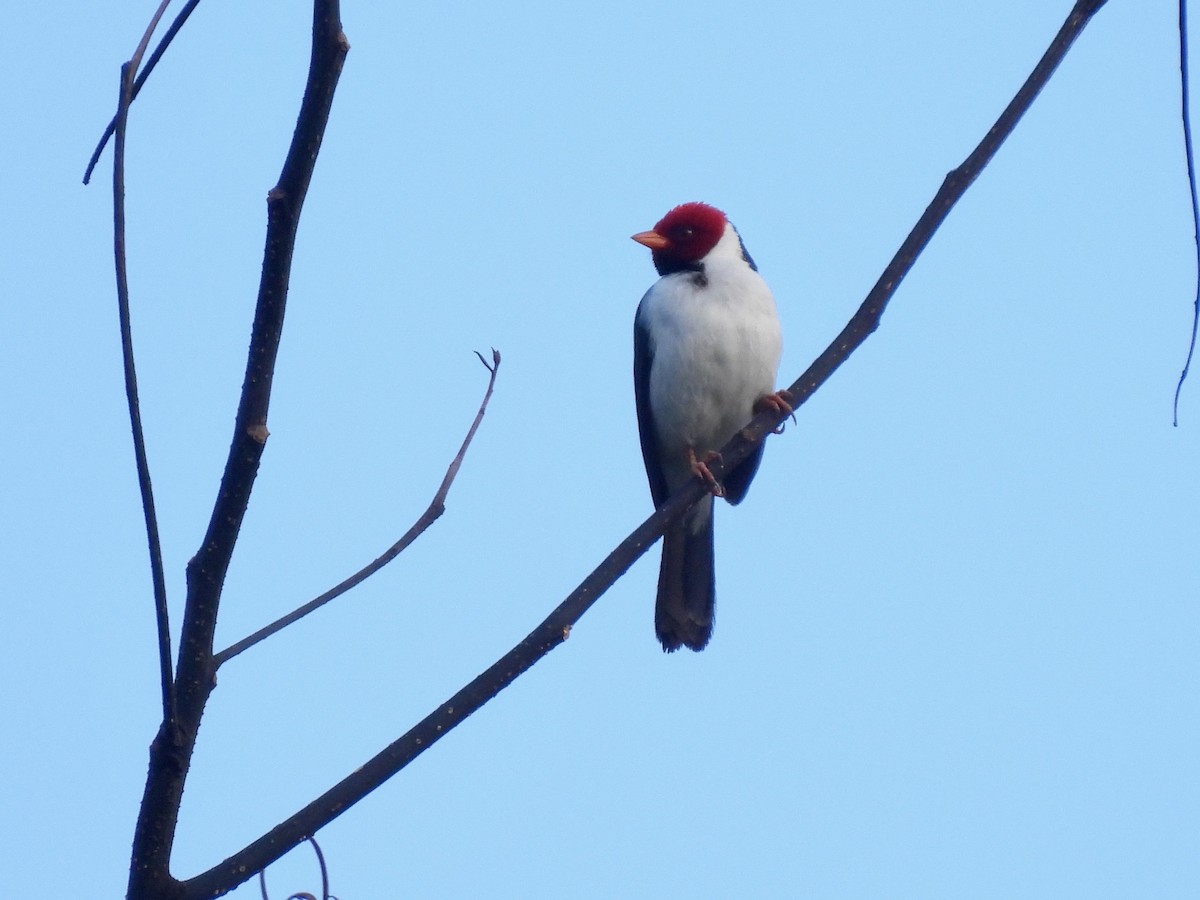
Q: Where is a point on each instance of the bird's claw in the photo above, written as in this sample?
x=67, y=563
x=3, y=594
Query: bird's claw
x=700, y=470
x=780, y=403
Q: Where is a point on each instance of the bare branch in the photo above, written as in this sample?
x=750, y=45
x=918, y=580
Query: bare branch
x=437, y=506
x=171, y=751
x=157, y=575
x=206, y=570
x=557, y=626
x=866, y=319
x=1186, y=115
x=143, y=75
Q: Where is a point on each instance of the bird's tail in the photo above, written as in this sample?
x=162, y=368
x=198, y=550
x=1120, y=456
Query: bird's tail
x=683, y=615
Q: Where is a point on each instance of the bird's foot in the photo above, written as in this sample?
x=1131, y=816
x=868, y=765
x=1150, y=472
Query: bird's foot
x=779, y=403
x=700, y=470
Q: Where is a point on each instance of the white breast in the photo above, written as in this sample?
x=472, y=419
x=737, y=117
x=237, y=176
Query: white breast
x=716, y=343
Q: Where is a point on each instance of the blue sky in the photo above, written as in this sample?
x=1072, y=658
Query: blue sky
x=956, y=649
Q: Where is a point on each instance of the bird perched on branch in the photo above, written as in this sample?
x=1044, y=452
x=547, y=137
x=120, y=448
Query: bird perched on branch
x=706, y=346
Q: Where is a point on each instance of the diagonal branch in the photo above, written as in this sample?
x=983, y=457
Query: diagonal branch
x=437, y=506
x=866, y=319
x=557, y=626
x=143, y=75
x=157, y=575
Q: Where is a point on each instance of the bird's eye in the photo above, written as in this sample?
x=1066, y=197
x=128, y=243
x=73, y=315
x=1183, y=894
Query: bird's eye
x=686, y=232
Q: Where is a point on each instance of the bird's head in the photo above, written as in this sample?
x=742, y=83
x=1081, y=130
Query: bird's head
x=684, y=236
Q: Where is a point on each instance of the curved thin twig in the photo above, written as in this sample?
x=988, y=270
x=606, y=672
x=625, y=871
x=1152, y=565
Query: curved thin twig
x=157, y=575
x=165, y=42
x=303, y=895
x=1186, y=116
x=321, y=862
x=557, y=626
x=437, y=506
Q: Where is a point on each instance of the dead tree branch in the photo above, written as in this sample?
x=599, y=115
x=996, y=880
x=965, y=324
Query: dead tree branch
x=171, y=751
x=866, y=319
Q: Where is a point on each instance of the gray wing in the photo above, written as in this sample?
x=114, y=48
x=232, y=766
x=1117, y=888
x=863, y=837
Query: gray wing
x=643, y=360
x=737, y=482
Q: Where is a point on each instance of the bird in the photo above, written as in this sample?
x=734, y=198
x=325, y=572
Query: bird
x=706, y=349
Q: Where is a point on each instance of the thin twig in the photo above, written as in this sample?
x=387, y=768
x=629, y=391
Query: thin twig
x=557, y=626
x=1186, y=115
x=157, y=575
x=163, y=43
x=321, y=860
x=437, y=506
x=303, y=895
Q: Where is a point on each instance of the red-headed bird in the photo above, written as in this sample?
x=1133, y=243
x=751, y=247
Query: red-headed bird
x=706, y=346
